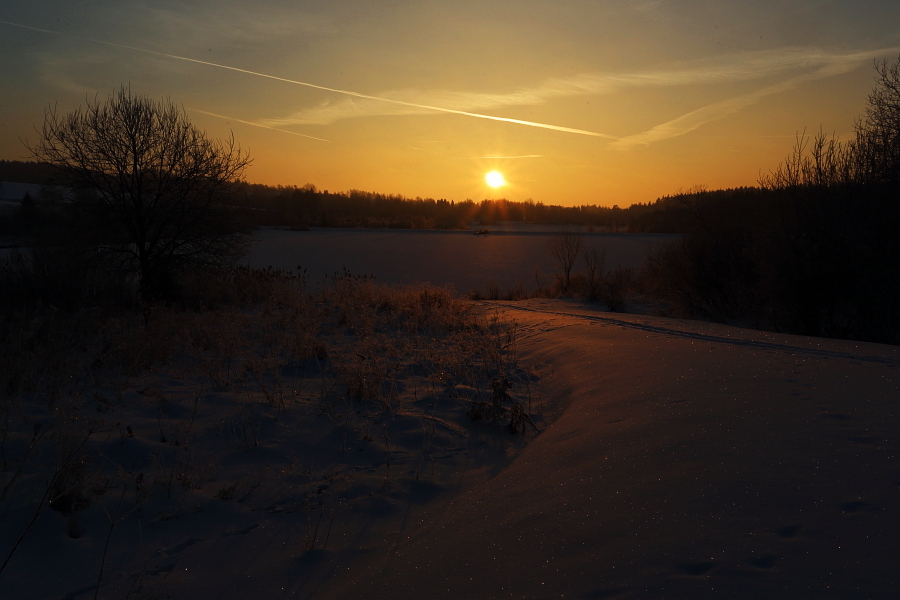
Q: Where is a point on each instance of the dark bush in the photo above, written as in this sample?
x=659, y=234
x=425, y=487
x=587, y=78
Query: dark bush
x=814, y=252
x=62, y=278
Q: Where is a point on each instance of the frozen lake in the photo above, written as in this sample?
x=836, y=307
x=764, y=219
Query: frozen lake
x=507, y=256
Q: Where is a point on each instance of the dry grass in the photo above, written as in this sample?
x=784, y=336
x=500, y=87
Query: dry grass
x=253, y=352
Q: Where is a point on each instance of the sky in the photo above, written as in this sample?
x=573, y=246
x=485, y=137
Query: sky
x=572, y=101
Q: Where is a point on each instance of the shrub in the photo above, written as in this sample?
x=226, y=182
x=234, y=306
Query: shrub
x=62, y=278
x=815, y=252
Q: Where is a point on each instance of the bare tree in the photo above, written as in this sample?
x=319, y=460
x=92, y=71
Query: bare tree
x=149, y=187
x=826, y=162
x=878, y=130
x=871, y=158
x=829, y=266
x=594, y=262
x=564, y=247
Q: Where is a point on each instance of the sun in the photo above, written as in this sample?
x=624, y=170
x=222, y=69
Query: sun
x=494, y=179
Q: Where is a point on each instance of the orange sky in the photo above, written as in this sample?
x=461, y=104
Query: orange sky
x=573, y=102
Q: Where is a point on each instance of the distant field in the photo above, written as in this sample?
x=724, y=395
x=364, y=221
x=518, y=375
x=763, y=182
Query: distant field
x=460, y=259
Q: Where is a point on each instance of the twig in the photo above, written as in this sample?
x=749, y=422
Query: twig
x=44, y=499
x=112, y=525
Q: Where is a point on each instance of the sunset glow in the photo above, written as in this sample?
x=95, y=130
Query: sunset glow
x=494, y=179
x=580, y=103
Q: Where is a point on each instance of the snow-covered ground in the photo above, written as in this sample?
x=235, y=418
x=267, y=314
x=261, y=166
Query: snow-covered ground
x=252, y=441
x=506, y=257
x=676, y=459
x=693, y=460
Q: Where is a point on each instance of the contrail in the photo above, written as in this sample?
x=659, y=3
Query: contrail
x=321, y=87
x=212, y=114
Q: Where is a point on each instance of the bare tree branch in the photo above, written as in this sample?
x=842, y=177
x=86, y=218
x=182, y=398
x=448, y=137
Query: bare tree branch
x=564, y=247
x=149, y=186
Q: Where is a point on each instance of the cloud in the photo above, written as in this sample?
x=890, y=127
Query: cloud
x=381, y=99
x=728, y=68
x=508, y=157
x=477, y=157
x=649, y=6
x=59, y=71
x=198, y=25
x=837, y=65
x=212, y=114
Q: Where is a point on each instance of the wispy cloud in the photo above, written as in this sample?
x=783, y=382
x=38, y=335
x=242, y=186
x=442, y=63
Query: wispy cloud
x=477, y=157
x=199, y=25
x=212, y=114
x=500, y=157
x=649, y=6
x=728, y=68
x=838, y=65
x=508, y=157
x=798, y=64
x=56, y=71
x=379, y=99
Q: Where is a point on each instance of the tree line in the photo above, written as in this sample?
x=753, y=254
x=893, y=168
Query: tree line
x=814, y=249
x=307, y=206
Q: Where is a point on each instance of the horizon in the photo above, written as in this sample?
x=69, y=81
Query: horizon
x=573, y=105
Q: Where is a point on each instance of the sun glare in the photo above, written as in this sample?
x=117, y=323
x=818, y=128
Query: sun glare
x=494, y=179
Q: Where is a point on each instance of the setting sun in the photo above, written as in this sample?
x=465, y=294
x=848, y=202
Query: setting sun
x=494, y=179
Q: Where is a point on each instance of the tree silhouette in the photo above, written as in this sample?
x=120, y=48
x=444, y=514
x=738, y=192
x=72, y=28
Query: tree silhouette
x=878, y=130
x=149, y=187
x=564, y=248
x=815, y=252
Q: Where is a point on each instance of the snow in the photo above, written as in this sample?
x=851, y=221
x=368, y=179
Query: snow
x=509, y=256
x=676, y=459
x=694, y=460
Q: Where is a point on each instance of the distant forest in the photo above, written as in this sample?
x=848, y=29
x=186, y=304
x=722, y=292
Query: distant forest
x=308, y=206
